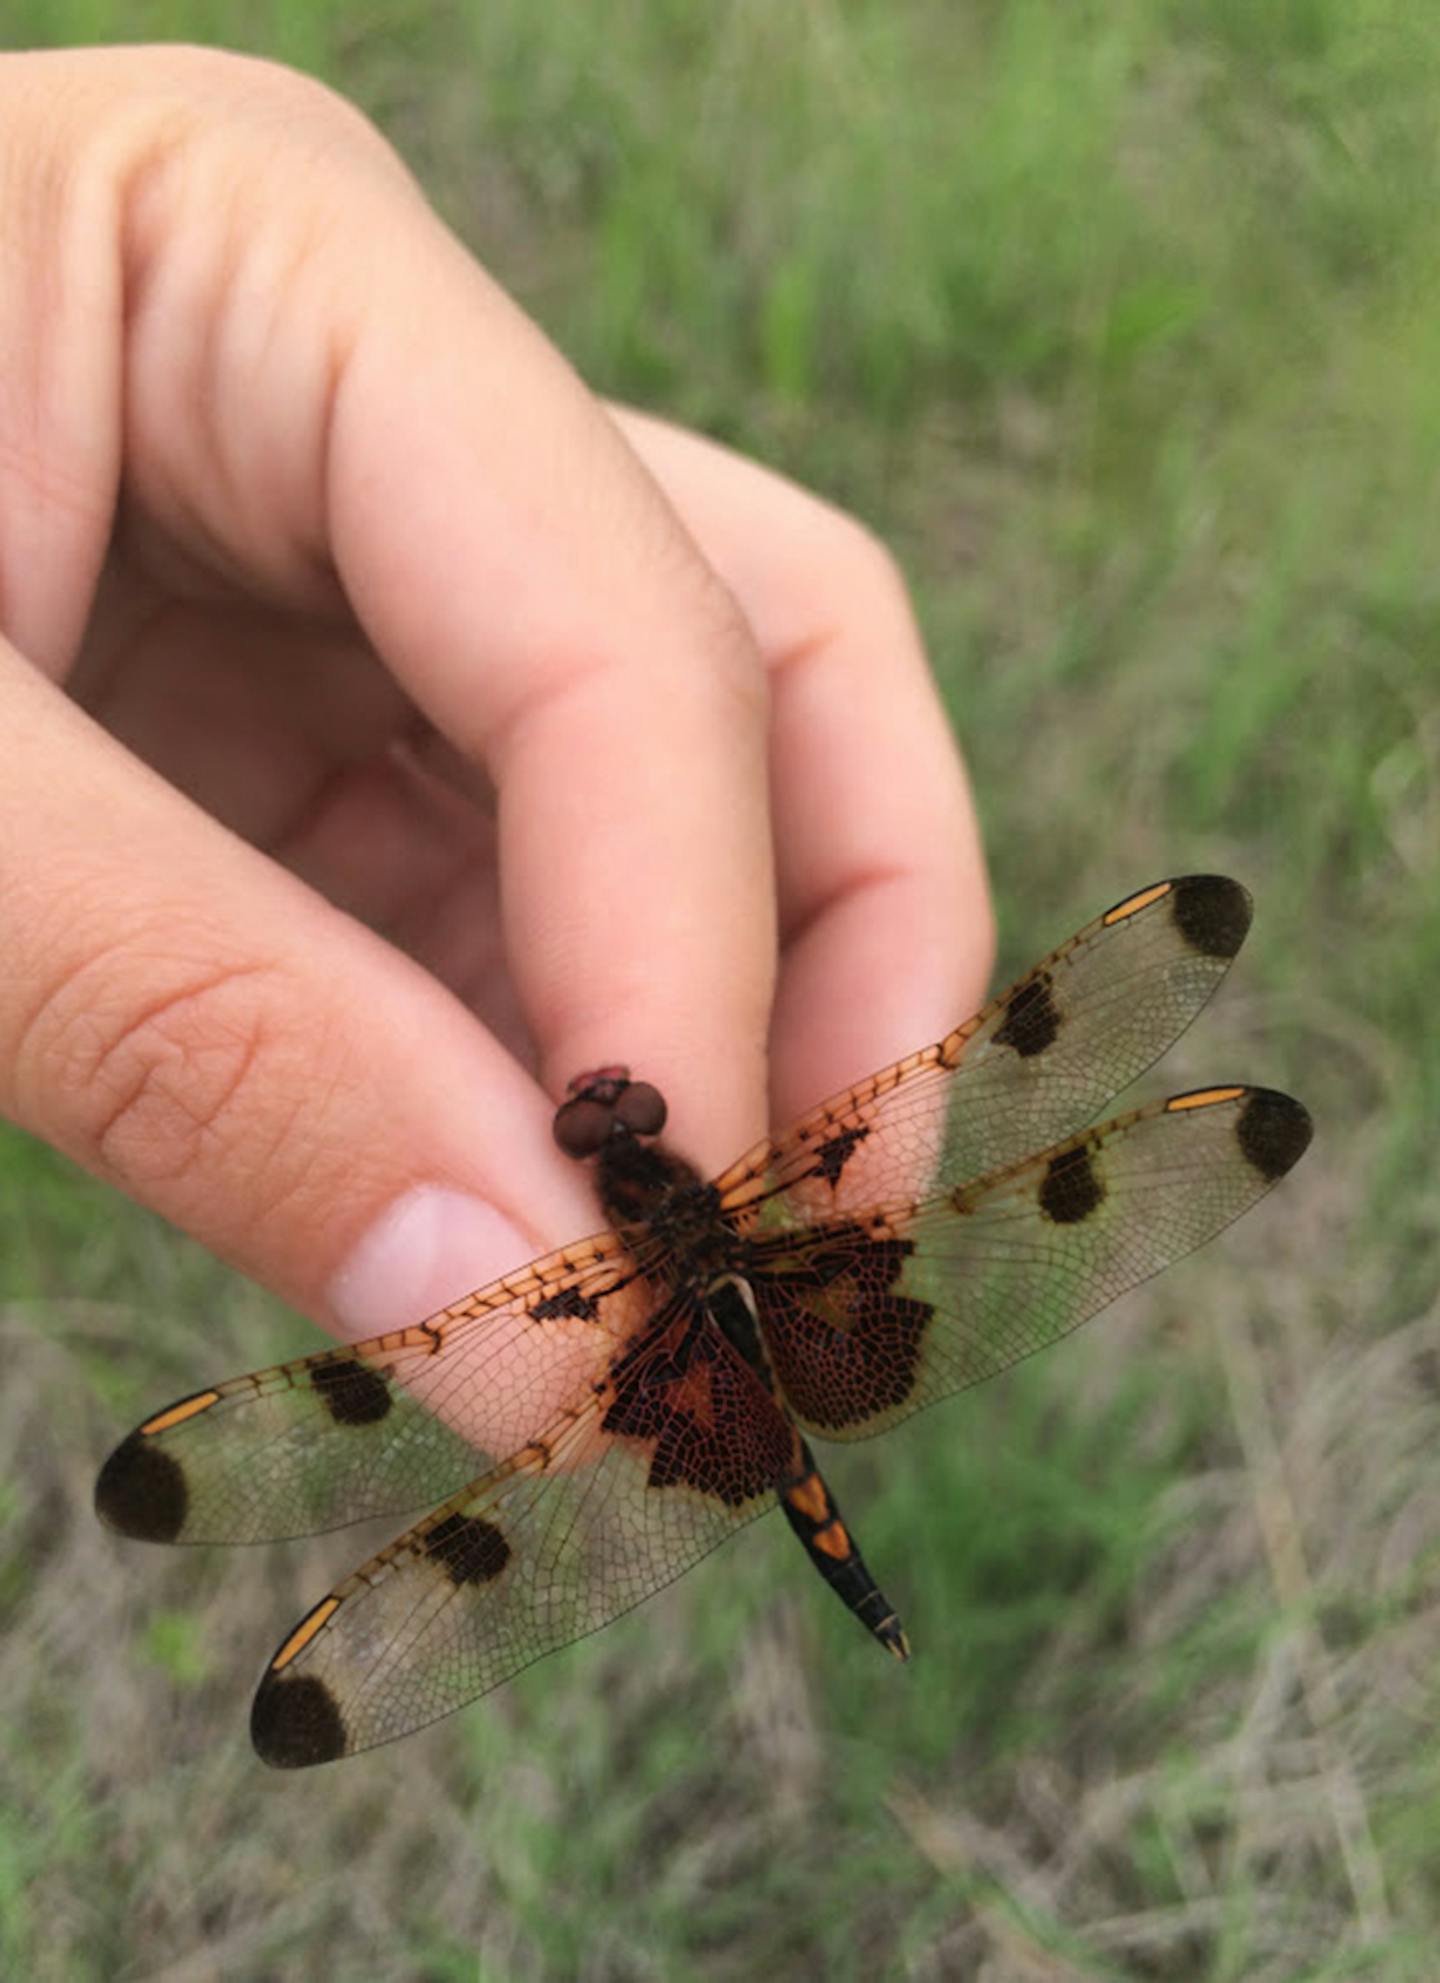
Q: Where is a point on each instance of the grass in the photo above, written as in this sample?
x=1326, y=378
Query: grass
x=1121, y=323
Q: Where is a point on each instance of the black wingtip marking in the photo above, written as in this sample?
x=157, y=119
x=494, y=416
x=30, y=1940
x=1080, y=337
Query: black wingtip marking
x=296, y=1721
x=353, y=1393
x=1072, y=1187
x=1274, y=1131
x=141, y=1491
x=1212, y=913
x=468, y=1550
x=1031, y=1020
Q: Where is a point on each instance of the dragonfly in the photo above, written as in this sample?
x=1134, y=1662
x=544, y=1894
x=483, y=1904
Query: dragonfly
x=576, y=1435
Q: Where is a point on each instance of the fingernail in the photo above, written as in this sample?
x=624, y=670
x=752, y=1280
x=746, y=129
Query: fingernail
x=429, y=1248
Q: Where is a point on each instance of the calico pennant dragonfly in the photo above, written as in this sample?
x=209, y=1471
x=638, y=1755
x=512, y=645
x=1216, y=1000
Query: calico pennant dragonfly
x=582, y=1432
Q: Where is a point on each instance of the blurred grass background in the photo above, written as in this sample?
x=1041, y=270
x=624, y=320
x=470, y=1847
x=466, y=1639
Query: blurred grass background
x=1121, y=323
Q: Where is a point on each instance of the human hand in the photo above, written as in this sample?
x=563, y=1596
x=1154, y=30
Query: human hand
x=390, y=731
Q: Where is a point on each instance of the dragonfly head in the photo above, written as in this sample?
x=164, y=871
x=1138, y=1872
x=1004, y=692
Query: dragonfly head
x=605, y=1106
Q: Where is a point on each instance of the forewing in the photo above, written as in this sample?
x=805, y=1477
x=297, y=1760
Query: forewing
x=871, y=1317
x=1037, y=1064
x=383, y=1427
x=678, y=1448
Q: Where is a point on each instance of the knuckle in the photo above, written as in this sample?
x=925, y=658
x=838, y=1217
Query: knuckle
x=241, y=122
x=306, y=101
x=209, y=73
x=737, y=671
x=159, y=1089
x=714, y=623
x=862, y=562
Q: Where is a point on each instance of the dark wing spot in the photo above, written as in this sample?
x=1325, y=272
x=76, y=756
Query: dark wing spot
x=566, y=1301
x=1274, y=1132
x=468, y=1550
x=832, y=1155
x=141, y=1491
x=1072, y=1188
x=1032, y=1019
x=353, y=1393
x=296, y=1721
x=1212, y=913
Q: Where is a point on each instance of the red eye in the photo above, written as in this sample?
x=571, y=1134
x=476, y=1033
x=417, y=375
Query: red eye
x=641, y=1109
x=583, y=1126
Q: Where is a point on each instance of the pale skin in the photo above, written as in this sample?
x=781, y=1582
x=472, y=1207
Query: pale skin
x=390, y=730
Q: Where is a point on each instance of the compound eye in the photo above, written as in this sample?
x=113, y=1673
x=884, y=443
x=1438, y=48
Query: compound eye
x=583, y=1126
x=641, y=1109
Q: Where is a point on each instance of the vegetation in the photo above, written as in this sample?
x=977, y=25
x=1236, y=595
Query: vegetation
x=1121, y=323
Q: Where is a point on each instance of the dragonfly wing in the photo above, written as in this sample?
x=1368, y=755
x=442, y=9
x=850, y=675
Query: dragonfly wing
x=679, y=1447
x=382, y=1427
x=1036, y=1064
x=870, y=1318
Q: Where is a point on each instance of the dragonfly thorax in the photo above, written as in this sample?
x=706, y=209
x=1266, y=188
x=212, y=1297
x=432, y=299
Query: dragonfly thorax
x=645, y=1184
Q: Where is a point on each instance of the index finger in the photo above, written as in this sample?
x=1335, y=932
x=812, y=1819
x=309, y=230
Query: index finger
x=887, y=934
x=530, y=585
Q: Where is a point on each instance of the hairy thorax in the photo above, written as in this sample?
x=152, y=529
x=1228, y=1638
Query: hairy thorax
x=649, y=1186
